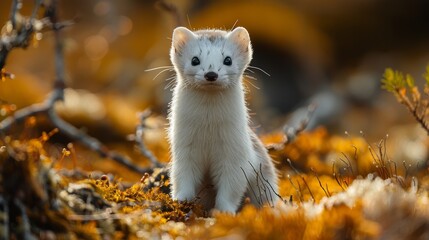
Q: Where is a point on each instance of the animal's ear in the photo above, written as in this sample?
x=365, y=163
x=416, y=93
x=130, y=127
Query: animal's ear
x=241, y=37
x=180, y=36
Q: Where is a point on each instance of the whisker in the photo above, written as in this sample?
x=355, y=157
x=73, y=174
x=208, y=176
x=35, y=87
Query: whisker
x=171, y=82
x=189, y=22
x=170, y=78
x=253, y=85
x=169, y=85
x=260, y=69
x=246, y=89
x=233, y=26
x=249, y=70
x=251, y=77
x=162, y=72
x=157, y=68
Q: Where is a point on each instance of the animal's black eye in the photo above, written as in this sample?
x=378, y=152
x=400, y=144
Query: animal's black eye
x=195, y=61
x=227, y=61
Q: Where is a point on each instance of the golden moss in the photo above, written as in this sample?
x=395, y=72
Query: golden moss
x=308, y=187
x=251, y=223
x=91, y=208
x=153, y=199
x=318, y=151
x=341, y=222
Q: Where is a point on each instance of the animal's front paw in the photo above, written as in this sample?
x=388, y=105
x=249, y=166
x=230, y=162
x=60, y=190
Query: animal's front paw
x=214, y=212
x=225, y=207
x=184, y=195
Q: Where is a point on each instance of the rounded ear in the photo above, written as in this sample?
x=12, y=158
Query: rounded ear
x=181, y=35
x=241, y=37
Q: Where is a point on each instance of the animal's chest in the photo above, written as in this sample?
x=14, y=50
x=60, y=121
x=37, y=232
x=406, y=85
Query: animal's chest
x=209, y=131
x=210, y=128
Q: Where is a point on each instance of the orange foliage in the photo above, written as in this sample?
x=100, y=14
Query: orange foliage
x=318, y=151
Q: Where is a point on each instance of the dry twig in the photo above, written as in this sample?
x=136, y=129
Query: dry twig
x=4, y=218
x=408, y=94
x=20, y=39
x=25, y=222
x=172, y=10
x=320, y=183
x=290, y=133
x=139, y=139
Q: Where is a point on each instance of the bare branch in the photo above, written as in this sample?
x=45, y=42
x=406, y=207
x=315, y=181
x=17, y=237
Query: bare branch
x=92, y=143
x=172, y=10
x=37, y=5
x=20, y=115
x=25, y=222
x=18, y=36
x=4, y=228
x=139, y=139
x=57, y=94
x=13, y=12
x=59, y=83
x=292, y=132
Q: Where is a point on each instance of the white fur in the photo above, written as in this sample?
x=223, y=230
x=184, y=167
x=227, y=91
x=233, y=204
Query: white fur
x=211, y=142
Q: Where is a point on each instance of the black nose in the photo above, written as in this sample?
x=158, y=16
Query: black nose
x=211, y=76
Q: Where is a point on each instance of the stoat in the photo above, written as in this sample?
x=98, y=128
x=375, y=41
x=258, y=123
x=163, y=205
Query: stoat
x=211, y=141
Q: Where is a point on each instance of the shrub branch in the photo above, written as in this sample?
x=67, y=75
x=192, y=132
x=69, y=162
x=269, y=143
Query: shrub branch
x=139, y=139
x=408, y=94
x=20, y=38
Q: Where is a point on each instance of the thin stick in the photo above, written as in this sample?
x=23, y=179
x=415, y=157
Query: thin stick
x=269, y=184
x=172, y=10
x=20, y=115
x=19, y=40
x=335, y=176
x=296, y=189
x=57, y=94
x=293, y=168
x=93, y=144
x=349, y=164
x=5, y=219
x=290, y=133
x=257, y=182
x=13, y=11
x=320, y=183
x=309, y=190
x=139, y=139
x=251, y=188
x=25, y=222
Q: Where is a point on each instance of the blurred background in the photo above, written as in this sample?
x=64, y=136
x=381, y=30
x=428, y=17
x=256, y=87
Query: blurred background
x=329, y=52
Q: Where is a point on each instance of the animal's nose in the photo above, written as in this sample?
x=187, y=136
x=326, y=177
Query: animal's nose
x=211, y=76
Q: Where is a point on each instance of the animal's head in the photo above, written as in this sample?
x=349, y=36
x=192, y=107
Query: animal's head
x=210, y=59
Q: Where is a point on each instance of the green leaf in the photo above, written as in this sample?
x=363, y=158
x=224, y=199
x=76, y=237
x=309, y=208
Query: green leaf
x=394, y=80
x=426, y=75
x=410, y=81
